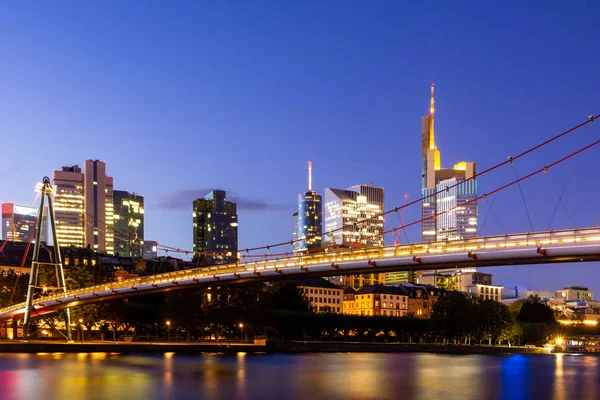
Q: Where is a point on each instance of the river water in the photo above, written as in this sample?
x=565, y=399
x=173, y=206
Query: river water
x=306, y=376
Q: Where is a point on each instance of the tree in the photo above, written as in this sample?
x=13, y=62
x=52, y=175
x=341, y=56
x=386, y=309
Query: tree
x=452, y=316
x=496, y=319
x=287, y=296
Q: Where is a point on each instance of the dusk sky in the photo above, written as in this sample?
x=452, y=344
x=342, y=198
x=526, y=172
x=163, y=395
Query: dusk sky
x=182, y=97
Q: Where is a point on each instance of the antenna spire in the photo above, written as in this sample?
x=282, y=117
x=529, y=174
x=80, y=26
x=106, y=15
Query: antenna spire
x=309, y=176
x=431, y=118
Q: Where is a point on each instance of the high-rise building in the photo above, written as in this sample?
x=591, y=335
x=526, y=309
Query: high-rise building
x=150, y=249
x=19, y=223
x=98, y=194
x=343, y=209
x=310, y=215
x=296, y=244
x=452, y=213
x=129, y=223
x=215, y=227
x=68, y=206
x=84, y=206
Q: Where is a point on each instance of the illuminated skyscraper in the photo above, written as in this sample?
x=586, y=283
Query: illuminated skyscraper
x=295, y=231
x=215, y=228
x=459, y=220
x=68, y=208
x=129, y=223
x=19, y=223
x=345, y=207
x=98, y=201
x=84, y=206
x=310, y=214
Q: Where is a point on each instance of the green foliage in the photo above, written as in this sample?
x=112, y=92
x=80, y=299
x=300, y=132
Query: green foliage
x=287, y=296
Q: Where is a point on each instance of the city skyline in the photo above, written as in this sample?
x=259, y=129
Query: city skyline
x=356, y=96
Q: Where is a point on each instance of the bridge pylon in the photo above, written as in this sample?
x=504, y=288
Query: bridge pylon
x=46, y=193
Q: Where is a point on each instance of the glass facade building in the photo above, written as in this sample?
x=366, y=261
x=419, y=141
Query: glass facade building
x=215, y=228
x=150, y=249
x=19, y=223
x=310, y=214
x=459, y=220
x=345, y=207
x=129, y=223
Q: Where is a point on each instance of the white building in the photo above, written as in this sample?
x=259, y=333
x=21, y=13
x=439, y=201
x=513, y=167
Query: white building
x=84, y=206
x=343, y=209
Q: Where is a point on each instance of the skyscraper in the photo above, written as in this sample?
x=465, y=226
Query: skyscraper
x=296, y=244
x=343, y=209
x=84, y=206
x=19, y=223
x=68, y=208
x=459, y=220
x=98, y=202
x=129, y=223
x=215, y=227
x=310, y=214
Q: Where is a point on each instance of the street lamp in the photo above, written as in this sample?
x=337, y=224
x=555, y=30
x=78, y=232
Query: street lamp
x=169, y=330
x=241, y=331
x=81, y=328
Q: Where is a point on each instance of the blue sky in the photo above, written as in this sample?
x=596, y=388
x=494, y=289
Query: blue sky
x=180, y=97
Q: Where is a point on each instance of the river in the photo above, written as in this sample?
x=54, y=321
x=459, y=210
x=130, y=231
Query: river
x=305, y=376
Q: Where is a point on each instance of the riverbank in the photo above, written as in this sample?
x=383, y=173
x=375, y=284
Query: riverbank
x=271, y=347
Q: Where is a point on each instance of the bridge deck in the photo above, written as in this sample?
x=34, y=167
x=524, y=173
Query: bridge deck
x=527, y=248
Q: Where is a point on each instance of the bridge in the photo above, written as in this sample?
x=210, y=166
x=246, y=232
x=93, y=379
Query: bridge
x=578, y=245
x=535, y=247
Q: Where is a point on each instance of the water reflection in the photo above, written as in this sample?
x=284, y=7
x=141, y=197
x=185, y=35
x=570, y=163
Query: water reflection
x=312, y=376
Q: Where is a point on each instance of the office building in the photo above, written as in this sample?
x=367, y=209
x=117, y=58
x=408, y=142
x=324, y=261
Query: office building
x=215, y=227
x=344, y=208
x=575, y=293
x=466, y=280
x=296, y=243
x=309, y=218
x=322, y=295
x=452, y=213
x=84, y=206
x=98, y=202
x=128, y=223
x=19, y=223
x=68, y=206
x=150, y=250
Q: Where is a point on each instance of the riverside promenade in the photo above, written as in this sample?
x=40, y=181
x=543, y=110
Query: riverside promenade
x=47, y=346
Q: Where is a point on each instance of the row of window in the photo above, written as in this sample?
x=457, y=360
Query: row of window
x=324, y=300
x=321, y=291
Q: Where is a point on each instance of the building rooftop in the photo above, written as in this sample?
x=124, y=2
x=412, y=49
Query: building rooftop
x=382, y=289
x=317, y=282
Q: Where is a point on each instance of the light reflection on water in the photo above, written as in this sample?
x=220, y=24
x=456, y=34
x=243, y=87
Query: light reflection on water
x=313, y=376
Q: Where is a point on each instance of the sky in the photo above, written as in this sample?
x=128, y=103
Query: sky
x=183, y=97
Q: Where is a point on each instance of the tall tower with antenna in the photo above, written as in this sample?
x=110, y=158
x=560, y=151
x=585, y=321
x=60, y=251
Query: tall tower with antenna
x=308, y=228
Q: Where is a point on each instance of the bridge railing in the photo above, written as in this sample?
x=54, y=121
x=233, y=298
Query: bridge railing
x=294, y=260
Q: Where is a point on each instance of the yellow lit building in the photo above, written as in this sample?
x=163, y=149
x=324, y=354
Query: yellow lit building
x=322, y=295
x=84, y=206
x=377, y=300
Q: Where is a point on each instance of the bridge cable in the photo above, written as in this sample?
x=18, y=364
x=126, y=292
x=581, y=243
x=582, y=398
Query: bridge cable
x=491, y=206
x=516, y=181
x=416, y=201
